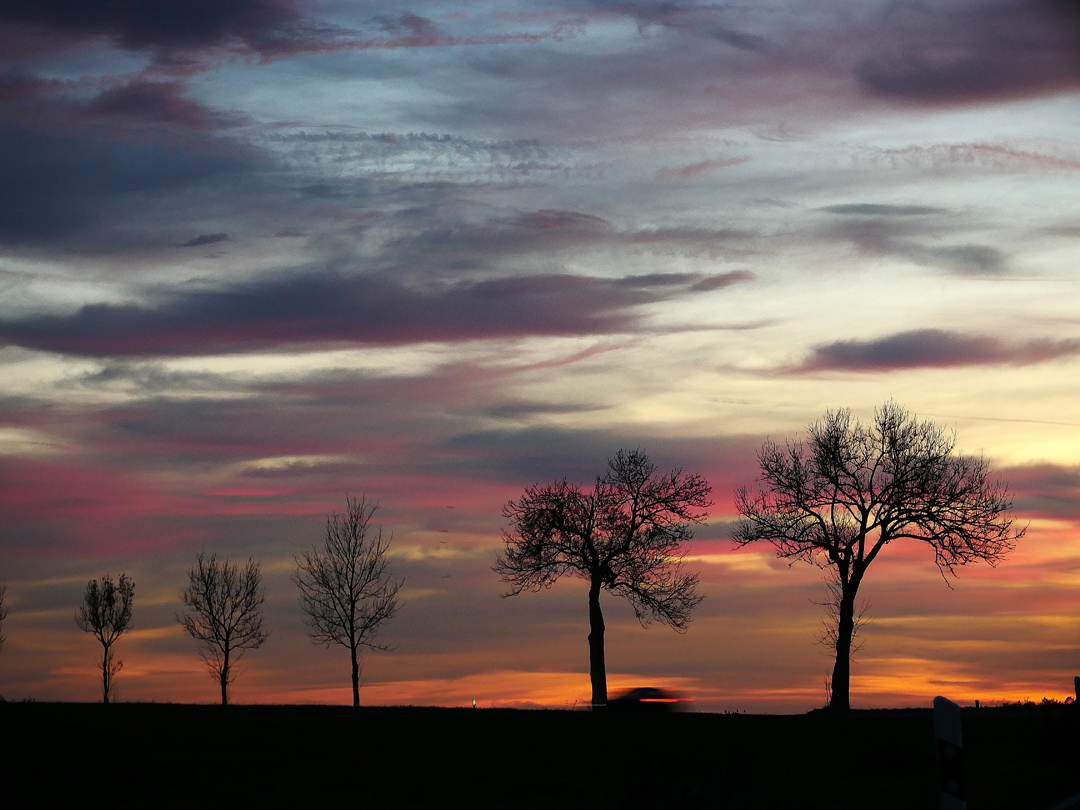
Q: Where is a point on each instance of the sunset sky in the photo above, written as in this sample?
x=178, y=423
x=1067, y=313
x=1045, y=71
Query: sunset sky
x=258, y=254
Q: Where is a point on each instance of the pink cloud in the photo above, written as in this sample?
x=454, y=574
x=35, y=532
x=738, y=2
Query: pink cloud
x=678, y=175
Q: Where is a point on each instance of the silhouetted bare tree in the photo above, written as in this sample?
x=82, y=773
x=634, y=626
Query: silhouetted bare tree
x=850, y=489
x=224, y=613
x=625, y=535
x=346, y=590
x=106, y=612
x=3, y=614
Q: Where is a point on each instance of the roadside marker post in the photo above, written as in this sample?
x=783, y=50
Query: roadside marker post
x=950, y=755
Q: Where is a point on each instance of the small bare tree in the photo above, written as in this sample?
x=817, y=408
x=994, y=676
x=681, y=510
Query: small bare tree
x=224, y=614
x=624, y=535
x=346, y=590
x=106, y=612
x=841, y=496
x=3, y=614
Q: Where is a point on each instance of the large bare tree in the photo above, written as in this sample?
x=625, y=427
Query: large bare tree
x=841, y=496
x=224, y=614
x=346, y=590
x=625, y=534
x=106, y=613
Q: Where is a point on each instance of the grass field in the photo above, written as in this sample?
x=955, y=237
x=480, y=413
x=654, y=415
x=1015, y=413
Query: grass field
x=164, y=755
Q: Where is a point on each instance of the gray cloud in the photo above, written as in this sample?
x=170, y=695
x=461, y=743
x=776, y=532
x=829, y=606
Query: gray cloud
x=206, y=239
x=876, y=209
x=550, y=453
x=520, y=410
x=966, y=259
x=548, y=233
x=903, y=232
x=61, y=188
x=713, y=22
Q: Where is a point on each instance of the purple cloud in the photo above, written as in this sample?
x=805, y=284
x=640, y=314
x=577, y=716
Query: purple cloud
x=167, y=24
x=1046, y=490
x=932, y=348
x=931, y=54
x=313, y=310
x=157, y=103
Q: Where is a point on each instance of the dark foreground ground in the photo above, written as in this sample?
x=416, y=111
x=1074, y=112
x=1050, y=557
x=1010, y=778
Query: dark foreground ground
x=160, y=755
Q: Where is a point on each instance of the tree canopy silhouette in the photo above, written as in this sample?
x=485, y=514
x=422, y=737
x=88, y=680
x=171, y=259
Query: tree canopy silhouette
x=625, y=534
x=224, y=614
x=346, y=590
x=106, y=612
x=840, y=497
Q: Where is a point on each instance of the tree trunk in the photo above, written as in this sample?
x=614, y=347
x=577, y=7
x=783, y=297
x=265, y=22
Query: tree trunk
x=224, y=678
x=355, y=679
x=597, y=669
x=841, y=678
x=105, y=676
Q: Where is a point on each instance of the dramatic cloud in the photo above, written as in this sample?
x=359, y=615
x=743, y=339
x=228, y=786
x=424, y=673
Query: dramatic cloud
x=932, y=348
x=970, y=52
x=183, y=35
x=477, y=247
x=320, y=310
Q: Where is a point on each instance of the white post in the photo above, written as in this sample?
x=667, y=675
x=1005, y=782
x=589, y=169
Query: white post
x=950, y=755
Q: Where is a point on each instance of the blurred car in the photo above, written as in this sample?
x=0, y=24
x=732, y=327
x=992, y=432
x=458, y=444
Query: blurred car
x=650, y=699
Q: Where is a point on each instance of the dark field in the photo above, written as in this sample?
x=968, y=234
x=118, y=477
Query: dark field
x=160, y=755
